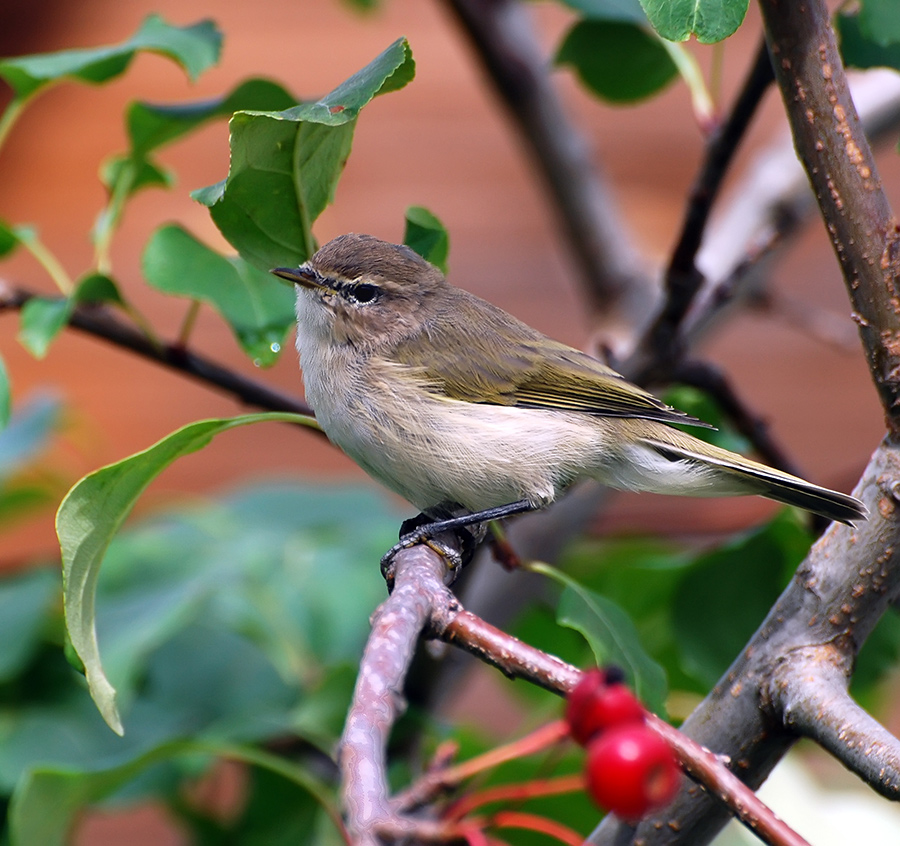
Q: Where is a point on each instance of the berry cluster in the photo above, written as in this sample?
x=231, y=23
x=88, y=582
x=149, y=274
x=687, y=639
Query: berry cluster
x=630, y=770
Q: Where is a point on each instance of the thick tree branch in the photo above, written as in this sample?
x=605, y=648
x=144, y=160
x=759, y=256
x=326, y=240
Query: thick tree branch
x=99, y=322
x=837, y=596
x=835, y=153
x=419, y=594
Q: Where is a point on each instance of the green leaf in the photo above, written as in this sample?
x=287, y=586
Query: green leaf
x=151, y=125
x=859, y=50
x=258, y=311
x=47, y=801
x=195, y=48
x=97, y=288
x=709, y=20
x=618, y=61
x=726, y=594
x=611, y=635
x=285, y=165
x=41, y=320
x=879, y=20
x=92, y=513
x=123, y=175
x=626, y=11
x=9, y=240
x=427, y=236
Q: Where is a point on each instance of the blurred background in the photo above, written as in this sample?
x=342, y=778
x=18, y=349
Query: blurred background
x=443, y=142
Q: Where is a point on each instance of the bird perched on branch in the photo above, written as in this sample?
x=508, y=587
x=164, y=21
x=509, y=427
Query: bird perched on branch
x=450, y=401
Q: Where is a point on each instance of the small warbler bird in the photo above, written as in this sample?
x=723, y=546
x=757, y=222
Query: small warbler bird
x=450, y=401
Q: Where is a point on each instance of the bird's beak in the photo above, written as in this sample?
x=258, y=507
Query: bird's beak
x=303, y=275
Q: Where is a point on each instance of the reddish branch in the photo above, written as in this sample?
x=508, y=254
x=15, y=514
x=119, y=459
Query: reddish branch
x=421, y=603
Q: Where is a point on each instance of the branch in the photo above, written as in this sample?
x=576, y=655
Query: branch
x=421, y=603
x=837, y=159
x=809, y=687
x=99, y=322
x=823, y=607
x=419, y=592
x=662, y=344
x=502, y=36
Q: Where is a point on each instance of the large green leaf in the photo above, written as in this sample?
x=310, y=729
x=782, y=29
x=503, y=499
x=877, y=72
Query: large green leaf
x=259, y=311
x=611, y=635
x=617, y=60
x=726, y=594
x=880, y=21
x=709, y=20
x=427, y=236
x=285, y=165
x=194, y=47
x=860, y=49
x=152, y=125
x=46, y=803
x=92, y=513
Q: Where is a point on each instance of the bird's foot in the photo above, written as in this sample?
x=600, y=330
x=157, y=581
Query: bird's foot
x=446, y=517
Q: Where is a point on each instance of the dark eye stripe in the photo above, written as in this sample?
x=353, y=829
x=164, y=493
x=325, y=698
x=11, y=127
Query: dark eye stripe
x=364, y=293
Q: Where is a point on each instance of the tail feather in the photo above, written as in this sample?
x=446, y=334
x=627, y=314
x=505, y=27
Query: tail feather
x=755, y=478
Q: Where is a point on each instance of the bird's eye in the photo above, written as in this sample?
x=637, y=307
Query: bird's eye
x=365, y=293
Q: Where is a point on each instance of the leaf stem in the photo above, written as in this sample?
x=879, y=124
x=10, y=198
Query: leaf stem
x=701, y=99
x=187, y=325
x=109, y=218
x=29, y=240
x=9, y=117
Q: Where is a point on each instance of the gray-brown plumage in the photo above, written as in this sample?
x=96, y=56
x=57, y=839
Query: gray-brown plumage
x=444, y=397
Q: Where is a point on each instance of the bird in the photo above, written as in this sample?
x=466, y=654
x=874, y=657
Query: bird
x=453, y=403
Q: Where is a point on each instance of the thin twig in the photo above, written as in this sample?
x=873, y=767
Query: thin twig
x=710, y=379
x=99, y=322
x=611, y=272
x=707, y=769
x=661, y=345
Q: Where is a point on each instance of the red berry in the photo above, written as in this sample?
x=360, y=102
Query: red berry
x=631, y=771
x=594, y=705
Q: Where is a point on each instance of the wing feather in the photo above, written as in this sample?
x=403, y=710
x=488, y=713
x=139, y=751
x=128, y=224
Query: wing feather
x=519, y=366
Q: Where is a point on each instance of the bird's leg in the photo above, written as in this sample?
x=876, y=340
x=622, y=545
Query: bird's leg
x=426, y=527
